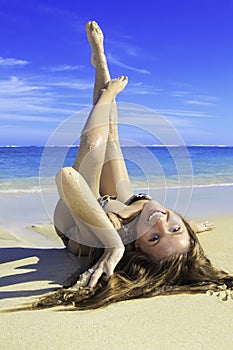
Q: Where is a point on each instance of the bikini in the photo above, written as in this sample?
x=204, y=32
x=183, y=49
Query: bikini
x=140, y=196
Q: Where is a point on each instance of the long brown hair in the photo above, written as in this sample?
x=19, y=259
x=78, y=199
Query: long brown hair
x=136, y=276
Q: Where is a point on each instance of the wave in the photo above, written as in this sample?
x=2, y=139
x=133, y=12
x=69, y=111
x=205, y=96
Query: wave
x=27, y=190
x=53, y=189
x=10, y=146
x=21, y=191
x=17, y=146
x=189, y=186
x=191, y=145
x=60, y=146
x=209, y=145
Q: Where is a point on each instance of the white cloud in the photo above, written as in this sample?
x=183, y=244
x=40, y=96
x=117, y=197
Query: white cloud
x=141, y=89
x=207, y=98
x=154, y=121
x=180, y=93
x=124, y=43
x=127, y=47
x=64, y=68
x=34, y=106
x=16, y=86
x=183, y=113
x=12, y=62
x=195, y=99
x=79, y=85
x=115, y=61
x=199, y=103
x=27, y=118
x=180, y=85
x=27, y=100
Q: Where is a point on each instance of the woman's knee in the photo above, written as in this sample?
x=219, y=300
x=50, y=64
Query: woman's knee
x=95, y=136
x=66, y=173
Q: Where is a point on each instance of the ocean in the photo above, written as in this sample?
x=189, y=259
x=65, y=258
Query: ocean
x=33, y=169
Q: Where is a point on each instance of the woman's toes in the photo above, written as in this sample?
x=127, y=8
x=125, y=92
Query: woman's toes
x=118, y=84
x=124, y=78
x=95, y=38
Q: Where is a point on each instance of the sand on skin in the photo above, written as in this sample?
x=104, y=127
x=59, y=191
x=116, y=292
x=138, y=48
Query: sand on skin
x=34, y=262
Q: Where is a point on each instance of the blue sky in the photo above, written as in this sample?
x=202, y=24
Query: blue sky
x=177, y=54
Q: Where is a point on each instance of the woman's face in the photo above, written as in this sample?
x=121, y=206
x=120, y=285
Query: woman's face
x=161, y=232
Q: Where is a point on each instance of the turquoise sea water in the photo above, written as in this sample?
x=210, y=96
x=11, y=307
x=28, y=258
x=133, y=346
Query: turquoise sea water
x=32, y=169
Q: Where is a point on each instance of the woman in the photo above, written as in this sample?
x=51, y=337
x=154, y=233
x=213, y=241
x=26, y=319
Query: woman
x=137, y=247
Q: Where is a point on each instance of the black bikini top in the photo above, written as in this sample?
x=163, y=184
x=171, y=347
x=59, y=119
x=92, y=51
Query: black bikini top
x=136, y=197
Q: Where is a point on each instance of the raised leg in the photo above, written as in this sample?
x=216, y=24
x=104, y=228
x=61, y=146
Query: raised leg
x=94, y=137
x=91, y=168
x=114, y=176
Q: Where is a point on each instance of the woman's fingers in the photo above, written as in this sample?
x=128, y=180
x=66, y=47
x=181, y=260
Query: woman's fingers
x=84, y=279
x=106, y=264
x=204, y=226
x=99, y=268
x=95, y=277
x=208, y=226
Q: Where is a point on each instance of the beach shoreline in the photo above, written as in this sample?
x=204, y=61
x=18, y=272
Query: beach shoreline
x=196, y=202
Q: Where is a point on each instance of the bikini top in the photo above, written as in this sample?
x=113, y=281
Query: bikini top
x=136, y=197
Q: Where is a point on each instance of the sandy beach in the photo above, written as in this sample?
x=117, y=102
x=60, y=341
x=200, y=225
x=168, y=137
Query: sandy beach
x=34, y=261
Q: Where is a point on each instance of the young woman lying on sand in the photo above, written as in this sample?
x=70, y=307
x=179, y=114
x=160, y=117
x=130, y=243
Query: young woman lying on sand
x=143, y=249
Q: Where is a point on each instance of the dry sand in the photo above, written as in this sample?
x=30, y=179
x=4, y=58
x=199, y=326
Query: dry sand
x=33, y=261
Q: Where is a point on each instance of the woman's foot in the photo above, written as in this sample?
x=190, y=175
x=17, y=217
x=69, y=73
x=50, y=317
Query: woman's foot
x=114, y=86
x=96, y=39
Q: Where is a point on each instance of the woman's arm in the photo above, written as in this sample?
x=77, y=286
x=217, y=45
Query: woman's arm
x=87, y=212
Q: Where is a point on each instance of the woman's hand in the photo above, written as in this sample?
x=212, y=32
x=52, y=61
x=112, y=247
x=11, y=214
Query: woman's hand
x=203, y=226
x=106, y=264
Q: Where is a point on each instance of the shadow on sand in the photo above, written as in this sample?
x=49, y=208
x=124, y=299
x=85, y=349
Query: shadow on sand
x=48, y=267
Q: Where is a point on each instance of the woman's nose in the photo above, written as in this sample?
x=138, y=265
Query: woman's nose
x=160, y=220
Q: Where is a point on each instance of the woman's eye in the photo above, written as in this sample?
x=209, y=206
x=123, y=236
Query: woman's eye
x=154, y=238
x=175, y=229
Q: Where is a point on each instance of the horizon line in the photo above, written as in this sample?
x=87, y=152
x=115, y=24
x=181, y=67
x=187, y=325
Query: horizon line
x=153, y=145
